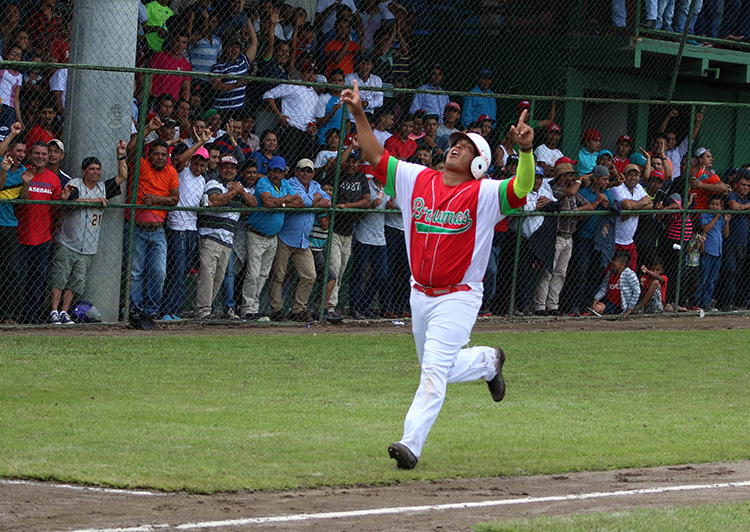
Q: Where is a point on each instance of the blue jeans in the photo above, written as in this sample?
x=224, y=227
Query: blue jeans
x=362, y=294
x=681, y=12
x=711, y=17
x=490, y=275
x=10, y=270
x=619, y=13
x=664, y=15
x=732, y=262
x=34, y=261
x=736, y=17
x=149, y=269
x=181, y=257
x=227, y=285
x=710, y=266
x=584, y=274
x=396, y=298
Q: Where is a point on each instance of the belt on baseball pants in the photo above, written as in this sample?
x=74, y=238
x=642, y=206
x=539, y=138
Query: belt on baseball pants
x=434, y=291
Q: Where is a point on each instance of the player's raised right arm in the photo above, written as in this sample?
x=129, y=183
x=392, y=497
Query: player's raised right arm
x=371, y=146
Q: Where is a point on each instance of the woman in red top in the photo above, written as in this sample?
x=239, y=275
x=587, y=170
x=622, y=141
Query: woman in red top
x=706, y=183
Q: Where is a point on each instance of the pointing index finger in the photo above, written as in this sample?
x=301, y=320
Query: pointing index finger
x=522, y=119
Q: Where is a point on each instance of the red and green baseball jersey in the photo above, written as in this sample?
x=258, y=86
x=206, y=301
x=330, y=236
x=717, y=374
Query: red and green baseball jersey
x=448, y=229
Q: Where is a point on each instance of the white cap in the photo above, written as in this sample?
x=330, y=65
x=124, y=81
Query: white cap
x=483, y=161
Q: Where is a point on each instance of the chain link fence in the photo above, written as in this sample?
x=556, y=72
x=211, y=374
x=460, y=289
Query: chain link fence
x=192, y=159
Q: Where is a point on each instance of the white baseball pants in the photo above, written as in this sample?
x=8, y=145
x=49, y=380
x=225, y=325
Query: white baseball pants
x=441, y=327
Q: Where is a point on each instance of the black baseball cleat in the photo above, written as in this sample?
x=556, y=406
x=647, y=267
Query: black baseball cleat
x=497, y=384
x=404, y=458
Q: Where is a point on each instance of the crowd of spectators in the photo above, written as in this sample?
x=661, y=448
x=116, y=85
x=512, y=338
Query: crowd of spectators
x=223, y=142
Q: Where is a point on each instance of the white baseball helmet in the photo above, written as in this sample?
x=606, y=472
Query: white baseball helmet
x=481, y=162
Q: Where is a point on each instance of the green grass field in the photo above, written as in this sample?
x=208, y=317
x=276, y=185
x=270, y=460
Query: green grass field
x=209, y=413
x=719, y=518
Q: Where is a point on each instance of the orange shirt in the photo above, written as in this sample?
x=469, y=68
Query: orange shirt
x=347, y=63
x=156, y=183
x=701, y=194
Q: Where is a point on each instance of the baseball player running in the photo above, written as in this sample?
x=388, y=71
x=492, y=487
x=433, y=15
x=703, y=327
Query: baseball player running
x=449, y=219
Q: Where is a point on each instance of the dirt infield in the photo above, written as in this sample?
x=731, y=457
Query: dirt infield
x=410, y=506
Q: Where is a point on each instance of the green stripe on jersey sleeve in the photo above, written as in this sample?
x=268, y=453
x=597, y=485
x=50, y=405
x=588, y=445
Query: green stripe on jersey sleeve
x=390, y=180
x=505, y=207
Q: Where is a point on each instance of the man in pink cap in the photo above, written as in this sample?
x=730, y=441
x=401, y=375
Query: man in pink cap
x=621, y=157
x=589, y=152
x=450, y=124
x=548, y=153
x=182, y=228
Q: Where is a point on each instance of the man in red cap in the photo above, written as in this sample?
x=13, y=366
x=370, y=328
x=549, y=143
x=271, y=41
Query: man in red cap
x=621, y=157
x=486, y=123
x=589, y=152
x=525, y=105
x=548, y=153
x=449, y=219
x=451, y=113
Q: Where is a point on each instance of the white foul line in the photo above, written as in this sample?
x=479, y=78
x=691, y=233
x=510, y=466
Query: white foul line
x=412, y=509
x=82, y=488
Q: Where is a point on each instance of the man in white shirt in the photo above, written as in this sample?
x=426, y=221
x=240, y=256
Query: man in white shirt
x=539, y=197
x=451, y=113
x=371, y=100
x=58, y=87
x=431, y=103
x=675, y=152
x=548, y=153
x=328, y=10
x=632, y=196
x=383, y=123
x=297, y=134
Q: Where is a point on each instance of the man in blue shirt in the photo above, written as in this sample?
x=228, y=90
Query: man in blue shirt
x=587, y=262
x=474, y=106
x=272, y=191
x=13, y=153
x=735, y=245
x=294, y=243
x=589, y=152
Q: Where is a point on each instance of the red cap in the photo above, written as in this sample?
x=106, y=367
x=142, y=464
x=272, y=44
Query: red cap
x=524, y=104
x=453, y=105
x=485, y=117
x=624, y=137
x=308, y=66
x=554, y=127
x=566, y=160
x=657, y=173
x=592, y=134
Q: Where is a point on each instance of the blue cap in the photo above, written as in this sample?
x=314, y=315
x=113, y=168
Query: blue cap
x=277, y=162
x=602, y=152
x=638, y=158
x=538, y=170
x=485, y=73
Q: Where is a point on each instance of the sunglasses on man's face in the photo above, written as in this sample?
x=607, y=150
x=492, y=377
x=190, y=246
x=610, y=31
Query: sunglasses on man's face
x=306, y=170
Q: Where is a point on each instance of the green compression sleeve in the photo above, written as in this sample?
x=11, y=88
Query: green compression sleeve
x=524, y=181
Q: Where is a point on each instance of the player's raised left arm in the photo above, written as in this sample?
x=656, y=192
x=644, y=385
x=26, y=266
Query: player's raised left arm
x=523, y=135
x=371, y=146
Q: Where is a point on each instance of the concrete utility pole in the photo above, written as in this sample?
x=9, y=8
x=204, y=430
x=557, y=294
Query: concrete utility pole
x=98, y=113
